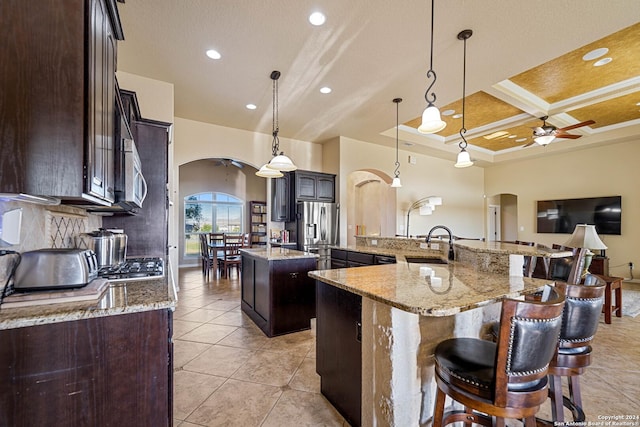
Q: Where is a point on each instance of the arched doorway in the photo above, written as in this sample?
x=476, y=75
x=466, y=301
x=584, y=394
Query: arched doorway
x=502, y=217
x=371, y=205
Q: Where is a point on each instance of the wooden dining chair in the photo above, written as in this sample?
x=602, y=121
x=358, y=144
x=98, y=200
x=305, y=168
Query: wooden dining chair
x=232, y=257
x=208, y=262
x=505, y=379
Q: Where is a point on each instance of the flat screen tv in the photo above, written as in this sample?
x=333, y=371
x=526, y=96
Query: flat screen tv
x=561, y=216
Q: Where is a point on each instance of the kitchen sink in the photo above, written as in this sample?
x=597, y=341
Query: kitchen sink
x=425, y=260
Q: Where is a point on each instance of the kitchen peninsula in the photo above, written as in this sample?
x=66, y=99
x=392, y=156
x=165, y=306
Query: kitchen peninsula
x=101, y=362
x=401, y=312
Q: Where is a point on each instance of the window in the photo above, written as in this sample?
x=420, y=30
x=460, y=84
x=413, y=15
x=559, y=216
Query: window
x=210, y=212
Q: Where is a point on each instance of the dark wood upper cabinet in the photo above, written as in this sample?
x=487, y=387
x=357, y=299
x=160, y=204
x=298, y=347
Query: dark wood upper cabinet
x=57, y=94
x=299, y=186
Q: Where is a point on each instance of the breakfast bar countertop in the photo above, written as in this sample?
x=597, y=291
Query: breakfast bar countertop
x=429, y=289
x=277, y=253
x=131, y=296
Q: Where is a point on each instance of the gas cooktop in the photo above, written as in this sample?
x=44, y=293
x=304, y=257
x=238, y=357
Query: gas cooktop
x=134, y=269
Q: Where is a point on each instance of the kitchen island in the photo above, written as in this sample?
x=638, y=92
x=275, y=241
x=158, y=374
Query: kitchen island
x=277, y=293
x=101, y=362
x=401, y=312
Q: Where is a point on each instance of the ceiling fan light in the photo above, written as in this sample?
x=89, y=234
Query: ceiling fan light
x=266, y=172
x=396, y=182
x=281, y=163
x=464, y=160
x=431, y=121
x=544, y=139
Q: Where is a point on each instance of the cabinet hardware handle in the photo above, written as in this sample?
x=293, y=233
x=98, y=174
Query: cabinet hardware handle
x=293, y=275
x=359, y=332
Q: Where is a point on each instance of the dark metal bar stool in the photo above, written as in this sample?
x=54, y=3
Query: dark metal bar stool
x=507, y=379
x=583, y=305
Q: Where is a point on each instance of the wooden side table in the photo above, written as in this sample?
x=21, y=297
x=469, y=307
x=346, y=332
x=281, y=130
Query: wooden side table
x=613, y=284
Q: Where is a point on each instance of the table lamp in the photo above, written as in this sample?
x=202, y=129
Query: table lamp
x=585, y=236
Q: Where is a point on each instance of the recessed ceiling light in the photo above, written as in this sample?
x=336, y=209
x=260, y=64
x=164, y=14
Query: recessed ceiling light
x=521, y=139
x=596, y=53
x=317, y=18
x=213, y=54
x=602, y=61
x=251, y=106
x=495, y=135
x=448, y=112
x=325, y=89
x=512, y=136
x=457, y=116
x=408, y=144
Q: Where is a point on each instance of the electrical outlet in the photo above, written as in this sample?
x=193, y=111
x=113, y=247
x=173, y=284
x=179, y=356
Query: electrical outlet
x=424, y=246
x=435, y=246
x=374, y=242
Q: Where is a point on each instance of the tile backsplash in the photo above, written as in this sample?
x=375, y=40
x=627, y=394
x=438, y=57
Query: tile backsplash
x=46, y=227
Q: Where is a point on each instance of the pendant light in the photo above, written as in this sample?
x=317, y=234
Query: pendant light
x=464, y=160
x=431, y=121
x=279, y=162
x=396, y=180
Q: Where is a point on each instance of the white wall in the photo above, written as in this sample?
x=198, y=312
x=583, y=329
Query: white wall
x=603, y=171
x=462, y=190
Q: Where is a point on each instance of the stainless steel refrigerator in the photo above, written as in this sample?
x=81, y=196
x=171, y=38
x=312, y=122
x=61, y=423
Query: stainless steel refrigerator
x=316, y=229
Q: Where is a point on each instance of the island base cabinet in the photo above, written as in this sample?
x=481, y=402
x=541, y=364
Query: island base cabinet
x=108, y=371
x=339, y=349
x=278, y=296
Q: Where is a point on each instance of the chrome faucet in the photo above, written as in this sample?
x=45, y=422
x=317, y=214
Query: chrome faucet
x=451, y=253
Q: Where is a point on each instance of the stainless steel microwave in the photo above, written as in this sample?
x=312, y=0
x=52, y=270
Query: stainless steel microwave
x=134, y=189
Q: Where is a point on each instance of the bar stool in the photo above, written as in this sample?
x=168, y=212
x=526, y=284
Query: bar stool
x=507, y=379
x=580, y=318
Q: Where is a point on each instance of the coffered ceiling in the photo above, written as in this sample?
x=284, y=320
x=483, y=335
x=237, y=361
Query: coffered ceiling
x=523, y=62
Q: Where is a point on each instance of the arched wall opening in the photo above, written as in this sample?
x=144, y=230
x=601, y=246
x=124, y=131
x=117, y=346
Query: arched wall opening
x=371, y=204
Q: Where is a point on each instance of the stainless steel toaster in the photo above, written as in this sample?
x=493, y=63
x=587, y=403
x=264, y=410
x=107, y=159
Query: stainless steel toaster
x=56, y=269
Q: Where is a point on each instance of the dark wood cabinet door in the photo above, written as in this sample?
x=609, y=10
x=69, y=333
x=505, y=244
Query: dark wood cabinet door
x=262, y=294
x=110, y=371
x=281, y=199
x=325, y=188
x=305, y=187
x=339, y=349
x=248, y=281
x=293, y=296
x=148, y=230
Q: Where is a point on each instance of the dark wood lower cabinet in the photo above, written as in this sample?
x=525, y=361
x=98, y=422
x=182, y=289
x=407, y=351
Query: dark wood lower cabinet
x=278, y=295
x=339, y=349
x=106, y=371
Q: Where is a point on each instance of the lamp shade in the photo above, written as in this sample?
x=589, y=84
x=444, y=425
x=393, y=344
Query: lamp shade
x=396, y=183
x=281, y=163
x=464, y=160
x=266, y=172
x=544, y=139
x=435, y=201
x=426, y=210
x=585, y=236
x=431, y=121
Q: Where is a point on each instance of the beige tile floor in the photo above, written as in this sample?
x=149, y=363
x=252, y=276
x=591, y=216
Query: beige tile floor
x=228, y=373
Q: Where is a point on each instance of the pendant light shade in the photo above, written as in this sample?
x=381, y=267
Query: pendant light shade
x=266, y=172
x=279, y=162
x=396, y=180
x=431, y=120
x=464, y=160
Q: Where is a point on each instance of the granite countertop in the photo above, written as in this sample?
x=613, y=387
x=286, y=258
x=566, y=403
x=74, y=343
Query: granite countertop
x=429, y=289
x=277, y=253
x=399, y=253
x=119, y=298
x=511, y=248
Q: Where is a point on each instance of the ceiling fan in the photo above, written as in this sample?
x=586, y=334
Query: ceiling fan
x=227, y=162
x=544, y=134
